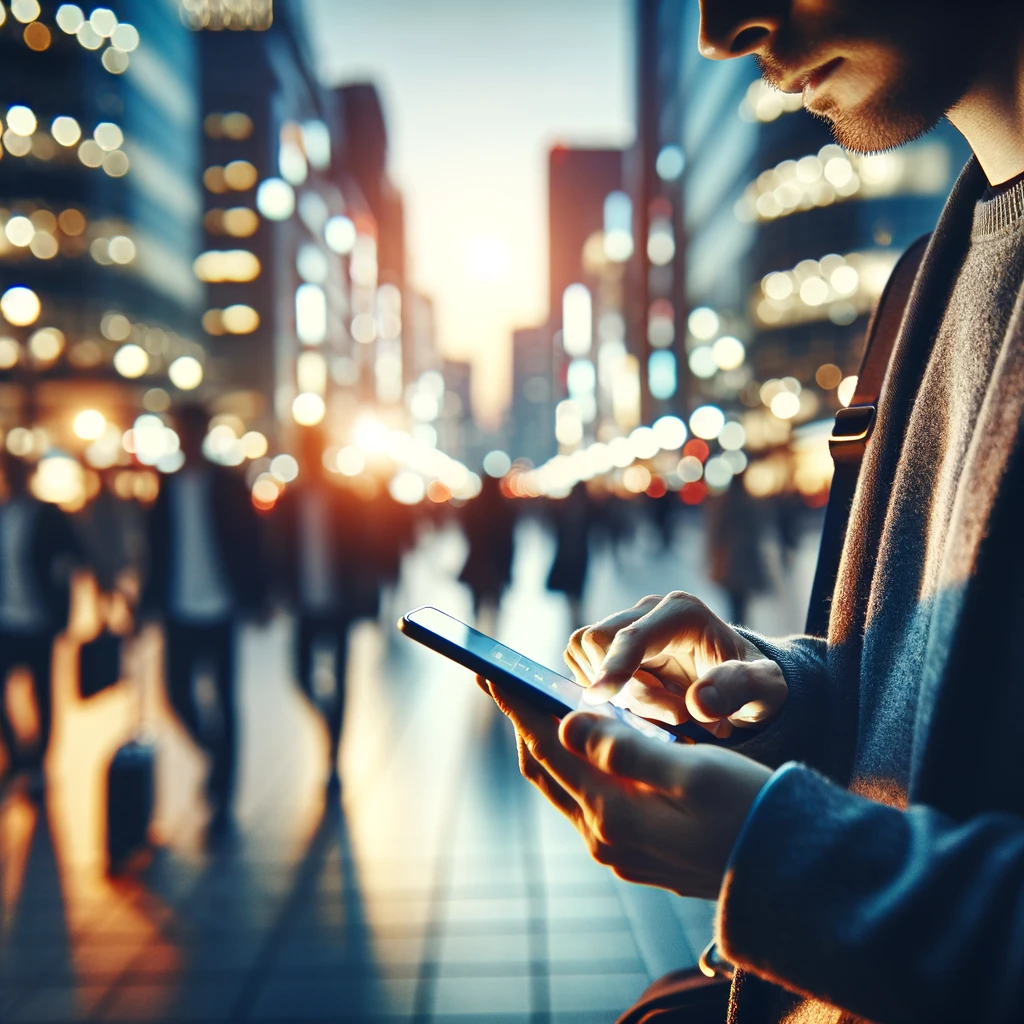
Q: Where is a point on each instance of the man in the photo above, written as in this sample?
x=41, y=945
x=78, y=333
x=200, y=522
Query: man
x=37, y=553
x=206, y=571
x=879, y=873
x=316, y=530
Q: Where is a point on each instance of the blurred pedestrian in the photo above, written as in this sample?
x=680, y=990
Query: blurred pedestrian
x=206, y=572
x=112, y=532
x=736, y=561
x=572, y=517
x=489, y=524
x=317, y=536
x=37, y=554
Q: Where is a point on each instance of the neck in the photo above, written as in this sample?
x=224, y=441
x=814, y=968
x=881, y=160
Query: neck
x=990, y=116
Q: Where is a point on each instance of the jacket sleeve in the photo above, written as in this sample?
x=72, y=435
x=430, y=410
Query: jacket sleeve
x=796, y=732
x=895, y=916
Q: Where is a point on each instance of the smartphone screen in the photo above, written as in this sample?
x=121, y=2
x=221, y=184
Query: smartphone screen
x=504, y=666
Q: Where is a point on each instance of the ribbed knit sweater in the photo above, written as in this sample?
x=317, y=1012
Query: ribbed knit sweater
x=883, y=877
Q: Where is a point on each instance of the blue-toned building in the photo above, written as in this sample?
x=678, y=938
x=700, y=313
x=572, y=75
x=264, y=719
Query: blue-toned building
x=100, y=201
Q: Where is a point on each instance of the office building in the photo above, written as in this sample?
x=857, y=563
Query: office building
x=101, y=210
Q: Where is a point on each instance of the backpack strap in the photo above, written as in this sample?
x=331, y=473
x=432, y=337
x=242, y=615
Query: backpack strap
x=853, y=428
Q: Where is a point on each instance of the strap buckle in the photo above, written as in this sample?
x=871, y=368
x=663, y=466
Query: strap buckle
x=851, y=432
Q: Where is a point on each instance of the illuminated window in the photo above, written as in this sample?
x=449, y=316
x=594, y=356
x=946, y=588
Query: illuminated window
x=91, y=153
x=125, y=38
x=37, y=37
x=240, y=319
x=292, y=163
x=577, y=320
x=71, y=222
x=21, y=120
x=218, y=266
x=311, y=372
x=240, y=175
x=661, y=374
x=66, y=130
x=20, y=306
x=618, y=227
x=46, y=344
x=108, y=136
x=316, y=140
x=186, y=373
x=275, y=199
x=310, y=314
x=340, y=235
x=25, y=10
x=69, y=18
x=233, y=15
x=213, y=179
x=116, y=164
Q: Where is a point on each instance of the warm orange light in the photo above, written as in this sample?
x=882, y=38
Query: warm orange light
x=37, y=36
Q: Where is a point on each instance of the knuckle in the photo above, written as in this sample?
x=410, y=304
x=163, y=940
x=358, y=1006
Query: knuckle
x=600, y=851
x=650, y=599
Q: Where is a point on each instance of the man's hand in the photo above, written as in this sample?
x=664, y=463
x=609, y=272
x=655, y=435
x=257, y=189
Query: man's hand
x=672, y=659
x=664, y=814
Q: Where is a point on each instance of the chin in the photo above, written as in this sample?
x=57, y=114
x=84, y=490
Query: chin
x=873, y=127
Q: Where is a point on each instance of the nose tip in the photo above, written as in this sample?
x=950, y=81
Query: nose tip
x=724, y=37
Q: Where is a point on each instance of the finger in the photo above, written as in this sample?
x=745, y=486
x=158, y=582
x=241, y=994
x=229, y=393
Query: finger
x=539, y=731
x=654, y=701
x=579, y=672
x=589, y=644
x=482, y=683
x=678, y=618
x=615, y=749
x=534, y=771
x=741, y=691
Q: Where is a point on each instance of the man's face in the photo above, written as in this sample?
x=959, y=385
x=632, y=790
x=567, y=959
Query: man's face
x=882, y=72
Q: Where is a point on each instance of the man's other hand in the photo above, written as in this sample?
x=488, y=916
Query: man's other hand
x=672, y=659
x=664, y=814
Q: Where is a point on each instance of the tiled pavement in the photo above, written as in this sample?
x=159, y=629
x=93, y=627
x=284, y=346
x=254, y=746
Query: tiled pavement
x=439, y=888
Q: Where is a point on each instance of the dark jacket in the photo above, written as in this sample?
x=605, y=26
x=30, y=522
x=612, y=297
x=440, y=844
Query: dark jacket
x=898, y=903
x=54, y=554
x=238, y=532
x=343, y=523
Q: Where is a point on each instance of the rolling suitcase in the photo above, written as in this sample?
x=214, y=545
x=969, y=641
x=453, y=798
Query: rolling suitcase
x=130, y=783
x=130, y=793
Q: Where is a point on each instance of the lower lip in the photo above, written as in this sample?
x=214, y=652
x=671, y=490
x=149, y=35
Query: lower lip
x=819, y=76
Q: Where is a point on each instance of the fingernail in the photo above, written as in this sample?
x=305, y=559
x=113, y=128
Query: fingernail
x=712, y=701
x=599, y=693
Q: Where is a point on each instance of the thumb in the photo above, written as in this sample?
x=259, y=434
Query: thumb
x=743, y=691
x=616, y=749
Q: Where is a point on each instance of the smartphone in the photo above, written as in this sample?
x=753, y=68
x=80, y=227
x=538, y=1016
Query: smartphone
x=546, y=688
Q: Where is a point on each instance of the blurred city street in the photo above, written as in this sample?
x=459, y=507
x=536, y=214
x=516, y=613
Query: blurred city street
x=441, y=887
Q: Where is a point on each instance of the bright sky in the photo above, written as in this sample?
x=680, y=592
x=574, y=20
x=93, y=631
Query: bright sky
x=474, y=93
